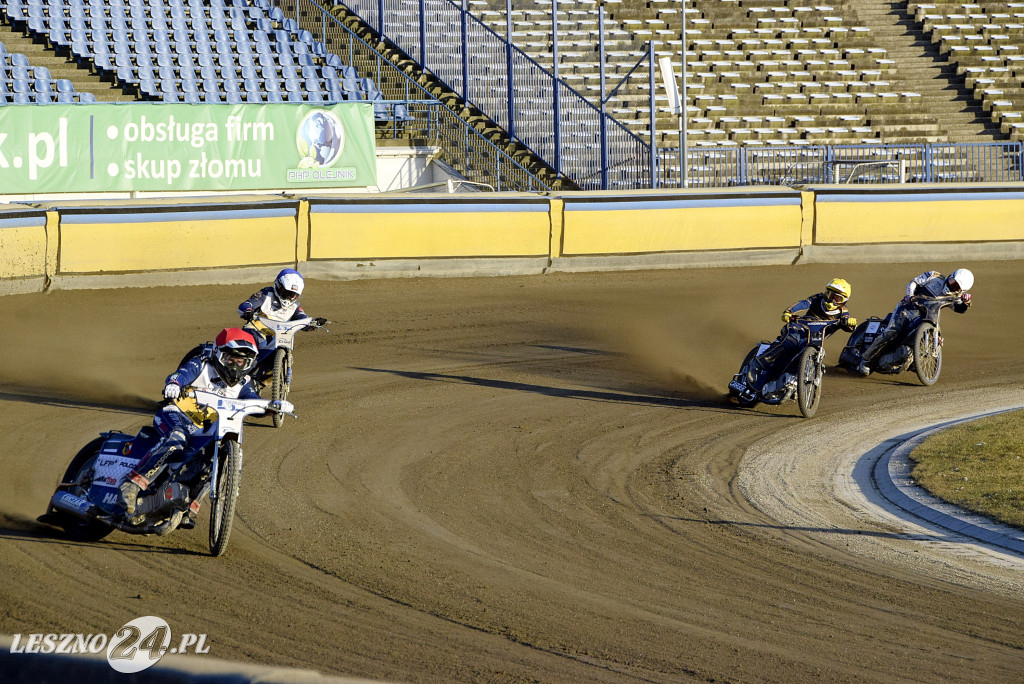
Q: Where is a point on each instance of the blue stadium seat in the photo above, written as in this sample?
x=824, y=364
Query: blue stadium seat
x=22, y=98
x=87, y=98
x=66, y=98
x=233, y=98
x=295, y=97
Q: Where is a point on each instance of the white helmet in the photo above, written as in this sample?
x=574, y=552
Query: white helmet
x=288, y=285
x=960, y=280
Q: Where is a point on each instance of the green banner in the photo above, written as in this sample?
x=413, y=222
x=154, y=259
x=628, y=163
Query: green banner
x=161, y=147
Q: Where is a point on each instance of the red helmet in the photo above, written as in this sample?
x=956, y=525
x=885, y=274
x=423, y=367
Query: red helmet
x=234, y=354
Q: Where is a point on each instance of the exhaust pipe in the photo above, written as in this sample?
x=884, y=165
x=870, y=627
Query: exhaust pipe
x=66, y=502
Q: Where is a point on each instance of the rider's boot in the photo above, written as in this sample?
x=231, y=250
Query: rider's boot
x=871, y=352
x=130, y=490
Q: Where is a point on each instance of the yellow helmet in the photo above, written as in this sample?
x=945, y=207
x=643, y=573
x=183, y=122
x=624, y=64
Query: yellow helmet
x=836, y=293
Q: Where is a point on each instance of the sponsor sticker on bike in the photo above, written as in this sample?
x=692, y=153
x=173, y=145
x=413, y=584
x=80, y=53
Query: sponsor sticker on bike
x=136, y=646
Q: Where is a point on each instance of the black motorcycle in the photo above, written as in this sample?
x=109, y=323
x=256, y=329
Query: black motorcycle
x=800, y=375
x=917, y=343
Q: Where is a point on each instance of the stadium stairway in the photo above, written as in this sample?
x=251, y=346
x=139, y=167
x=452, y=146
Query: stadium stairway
x=487, y=127
x=60, y=67
x=959, y=116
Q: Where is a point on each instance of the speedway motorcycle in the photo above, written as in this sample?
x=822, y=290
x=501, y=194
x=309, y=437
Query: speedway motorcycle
x=917, y=344
x=274, y=366
x=87, y=501
x=800, y=377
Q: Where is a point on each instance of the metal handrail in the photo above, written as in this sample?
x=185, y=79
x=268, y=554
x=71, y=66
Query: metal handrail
x=516, y=92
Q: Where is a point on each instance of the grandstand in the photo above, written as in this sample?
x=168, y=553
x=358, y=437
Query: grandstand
x=762, y=74
x=765, y=71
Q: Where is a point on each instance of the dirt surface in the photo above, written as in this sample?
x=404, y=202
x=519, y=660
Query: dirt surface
x=525, y=479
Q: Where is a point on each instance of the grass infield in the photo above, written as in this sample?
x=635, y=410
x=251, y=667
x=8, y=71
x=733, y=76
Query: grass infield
x=978, y=466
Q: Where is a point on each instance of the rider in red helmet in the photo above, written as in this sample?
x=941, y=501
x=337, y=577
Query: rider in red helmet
x=224, y=371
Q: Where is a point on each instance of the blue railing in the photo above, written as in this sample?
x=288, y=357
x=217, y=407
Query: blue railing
x=997, y=162
x=593, y=150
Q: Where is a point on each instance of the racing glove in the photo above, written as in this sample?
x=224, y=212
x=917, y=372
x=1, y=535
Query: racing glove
x=850, y=323
x=966, y=298
x=172, y=390
x=317, y=322
x=282, y=406
x=786, y=316
x=248, y=315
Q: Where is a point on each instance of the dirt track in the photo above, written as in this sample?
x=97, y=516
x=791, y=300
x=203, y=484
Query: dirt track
x=523, y=479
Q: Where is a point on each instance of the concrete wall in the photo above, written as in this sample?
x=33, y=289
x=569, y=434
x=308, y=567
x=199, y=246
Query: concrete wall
x=105, y=243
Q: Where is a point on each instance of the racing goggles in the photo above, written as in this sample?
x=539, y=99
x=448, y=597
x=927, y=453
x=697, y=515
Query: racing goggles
x=287, y=295
x=240, y=360
x=953, y=286
x=835, y=298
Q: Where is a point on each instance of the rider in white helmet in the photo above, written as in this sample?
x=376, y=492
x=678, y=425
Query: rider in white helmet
x=930, y=284
x=278, y=302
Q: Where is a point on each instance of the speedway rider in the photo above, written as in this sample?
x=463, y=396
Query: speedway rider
x=928, y=285
x=278, y=302
x=223, y=371
x=829, y=305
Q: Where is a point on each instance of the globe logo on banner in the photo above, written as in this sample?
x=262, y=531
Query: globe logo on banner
x=320, y=139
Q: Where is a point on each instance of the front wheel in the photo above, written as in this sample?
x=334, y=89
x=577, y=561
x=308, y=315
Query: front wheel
x=77, y=479
x=927, y=354
x=281, y=381
x=222, y=512
x=808, y=387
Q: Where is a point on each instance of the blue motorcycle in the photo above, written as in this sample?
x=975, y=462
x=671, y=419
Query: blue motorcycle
x=87, y=501
x=795, y=375
x=914, y=340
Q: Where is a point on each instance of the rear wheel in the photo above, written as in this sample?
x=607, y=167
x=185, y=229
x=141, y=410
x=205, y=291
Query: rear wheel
x=222, y=512
x=927, y=354
x=79, y=473
x=281, y=374
x=808, y=386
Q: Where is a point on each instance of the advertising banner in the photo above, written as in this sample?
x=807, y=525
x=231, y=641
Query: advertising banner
x=172, y=147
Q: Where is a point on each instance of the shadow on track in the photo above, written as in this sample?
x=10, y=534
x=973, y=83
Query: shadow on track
x=123, y=404
x=586, y=395
x=17, y=527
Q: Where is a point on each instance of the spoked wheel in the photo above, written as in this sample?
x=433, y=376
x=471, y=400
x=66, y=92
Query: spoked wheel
x=281, y=381
x=808, y=387
x=927, y=354
x=222, y=512
x=80, y=472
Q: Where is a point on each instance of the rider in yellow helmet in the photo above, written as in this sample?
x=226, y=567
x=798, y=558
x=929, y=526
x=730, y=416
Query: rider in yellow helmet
x=829, y=305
